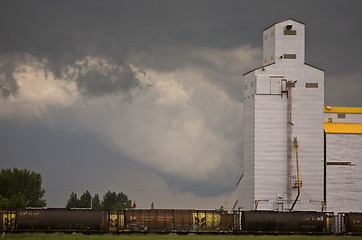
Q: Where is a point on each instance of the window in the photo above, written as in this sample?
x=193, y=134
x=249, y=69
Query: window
x=340, y=163
x=265, y=60
x=290, y=84
x=290, y=56
x=341, y=115
x=265, y=37
x=246, y=87
x=311, y=85
x=290, y=32
x=252, y=84
x=272, y=34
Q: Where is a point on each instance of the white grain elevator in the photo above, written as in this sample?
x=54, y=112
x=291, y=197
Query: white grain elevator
x=283, y=165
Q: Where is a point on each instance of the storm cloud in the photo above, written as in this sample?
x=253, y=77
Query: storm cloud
x=150, y=86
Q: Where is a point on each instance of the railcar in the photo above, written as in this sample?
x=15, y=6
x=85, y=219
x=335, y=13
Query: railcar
x=351, y=223
x=61, y=220
x=271, y=222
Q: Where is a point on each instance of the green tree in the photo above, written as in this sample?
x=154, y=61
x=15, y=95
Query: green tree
x=113, y=201
x=20, y=189
x=73, y=201
x=4, y=202
x=96, y=202
x=85, y=200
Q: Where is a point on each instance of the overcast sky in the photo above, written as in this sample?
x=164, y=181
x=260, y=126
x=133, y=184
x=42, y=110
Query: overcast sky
x=145, y=97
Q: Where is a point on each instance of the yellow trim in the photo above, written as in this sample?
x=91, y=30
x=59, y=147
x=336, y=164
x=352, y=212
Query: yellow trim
x=330, y=109
x=343, y=128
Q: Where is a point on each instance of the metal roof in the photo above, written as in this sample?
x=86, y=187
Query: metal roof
x=343, y=128
x=330, y=109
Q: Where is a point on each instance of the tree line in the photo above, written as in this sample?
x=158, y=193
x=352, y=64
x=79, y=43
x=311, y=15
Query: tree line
x=21, y=188
x=111, y=201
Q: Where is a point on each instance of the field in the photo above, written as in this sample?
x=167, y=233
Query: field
x=61, y=236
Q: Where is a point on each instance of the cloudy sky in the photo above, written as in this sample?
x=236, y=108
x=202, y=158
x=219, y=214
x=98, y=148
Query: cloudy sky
x=145, y=97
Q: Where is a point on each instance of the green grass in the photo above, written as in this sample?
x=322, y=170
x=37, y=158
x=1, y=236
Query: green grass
x=74, y=236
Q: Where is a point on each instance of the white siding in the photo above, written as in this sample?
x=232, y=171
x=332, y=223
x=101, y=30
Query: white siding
x=344, y=182
x=350, y=118
x=269, y=46
x=262, y=85
x=246, y=185
x=270, y=149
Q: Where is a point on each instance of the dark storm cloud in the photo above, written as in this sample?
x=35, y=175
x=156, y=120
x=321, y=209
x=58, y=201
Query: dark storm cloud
x=98, y=76
x=96, y=83
x=165, y=33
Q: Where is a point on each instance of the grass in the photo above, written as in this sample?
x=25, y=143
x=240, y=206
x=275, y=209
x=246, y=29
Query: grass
x=74, y=236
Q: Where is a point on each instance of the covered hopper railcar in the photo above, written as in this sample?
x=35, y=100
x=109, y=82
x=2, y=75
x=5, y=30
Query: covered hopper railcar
x=61, y=220
x=285, y=222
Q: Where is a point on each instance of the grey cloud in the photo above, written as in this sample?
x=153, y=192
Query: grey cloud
x=97, y=83
x=8, y=85
x=165, y=33
x=97, y=77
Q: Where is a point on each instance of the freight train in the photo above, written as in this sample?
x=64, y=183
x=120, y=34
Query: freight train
x=180, y=221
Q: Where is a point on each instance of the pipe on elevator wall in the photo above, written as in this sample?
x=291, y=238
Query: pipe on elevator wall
x=296, y=152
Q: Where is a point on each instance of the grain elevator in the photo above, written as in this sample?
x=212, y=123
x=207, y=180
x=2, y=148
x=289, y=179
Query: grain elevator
x=283, y=149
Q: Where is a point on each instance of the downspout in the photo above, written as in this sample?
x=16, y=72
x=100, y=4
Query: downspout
x=296, y=152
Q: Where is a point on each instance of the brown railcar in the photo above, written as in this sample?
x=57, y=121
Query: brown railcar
x=285, y=222
x=78, y=220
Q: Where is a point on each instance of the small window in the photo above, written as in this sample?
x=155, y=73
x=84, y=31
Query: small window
x=265, y=60
x=252, y=84
x=290, y=56
x=311, y=85
x=265, y=37
x=290, y=84
x=340, y=163
x=290, y=32
x=272, y=57
x=272, y=34
x=341, y=115
x=246, y=87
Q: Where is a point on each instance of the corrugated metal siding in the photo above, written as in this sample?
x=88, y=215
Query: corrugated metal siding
x=349, y=118
x=330, y=109
x=343, y=128
x=270, y=149
x=344, y=182
x=246, y=185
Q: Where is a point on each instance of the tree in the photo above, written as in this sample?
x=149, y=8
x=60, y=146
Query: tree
x=4, y=202
x=96, y=202
x=20, y=189
x=85, y=200
x=113, y=201
x=73, y=201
